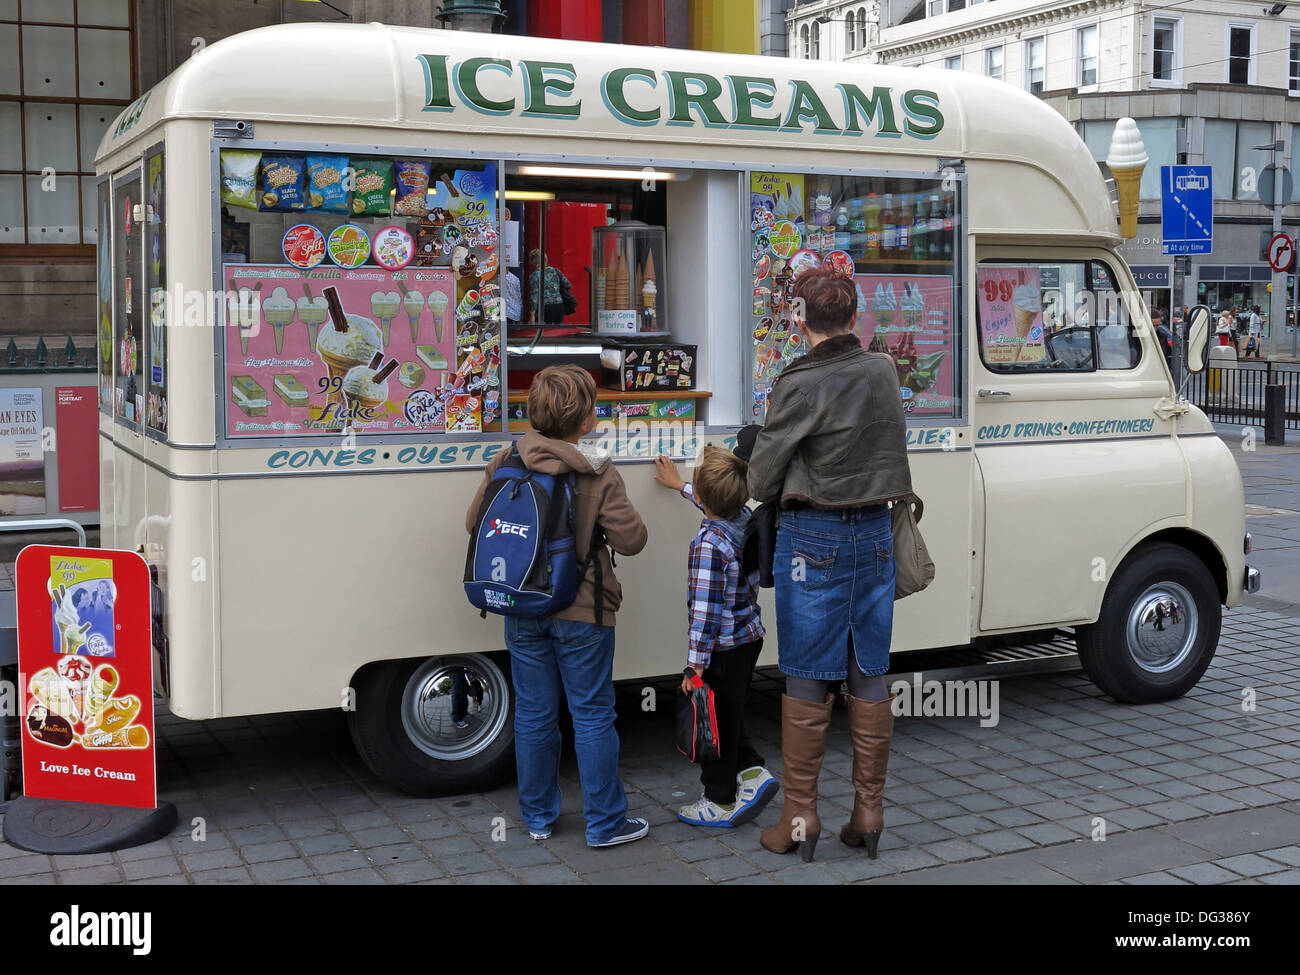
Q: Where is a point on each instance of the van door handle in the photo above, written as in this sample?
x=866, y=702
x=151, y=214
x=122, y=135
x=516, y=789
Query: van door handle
x=988, y=393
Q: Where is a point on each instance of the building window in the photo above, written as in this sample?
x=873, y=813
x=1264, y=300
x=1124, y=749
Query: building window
x=862, y=28
x=65, y=74
x=1241, y=54
x=1164, y=50
x=1159, y=135
x=1230, y=150
x=1293, y=71
x=803, y=40
x=1087, y=43
x=816, y=41
x=953, y=62
x=993, y=62
x=1035, y=63
x=939, y=7
x=850, y=35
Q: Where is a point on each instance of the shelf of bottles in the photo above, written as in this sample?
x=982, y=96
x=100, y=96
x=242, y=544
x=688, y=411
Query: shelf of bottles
x=895, y=238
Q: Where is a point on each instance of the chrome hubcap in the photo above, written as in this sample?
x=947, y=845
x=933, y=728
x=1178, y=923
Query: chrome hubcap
x=455, y=707
x=1162, y=627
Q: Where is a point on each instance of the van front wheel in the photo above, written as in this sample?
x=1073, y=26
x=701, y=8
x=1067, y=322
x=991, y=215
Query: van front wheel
x=1158, y=628
x=436, y=726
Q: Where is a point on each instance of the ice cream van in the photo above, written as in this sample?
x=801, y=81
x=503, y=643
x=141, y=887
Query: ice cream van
x=327, y=270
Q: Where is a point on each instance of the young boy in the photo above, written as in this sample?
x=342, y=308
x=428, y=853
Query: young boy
x=572, y=648
x=726, y=636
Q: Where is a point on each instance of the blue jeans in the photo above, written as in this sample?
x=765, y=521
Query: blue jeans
x=834, y=574
x=545, y=655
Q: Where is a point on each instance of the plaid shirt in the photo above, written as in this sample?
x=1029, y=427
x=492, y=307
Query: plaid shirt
x=722, y=606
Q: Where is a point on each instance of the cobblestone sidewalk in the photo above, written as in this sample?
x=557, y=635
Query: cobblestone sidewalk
x=1192, y=791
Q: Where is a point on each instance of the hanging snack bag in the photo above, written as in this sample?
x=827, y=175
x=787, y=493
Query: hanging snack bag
x=239, y=177
x=412, y=187
x=372, y=186
x=326, y=189
x=282, y=183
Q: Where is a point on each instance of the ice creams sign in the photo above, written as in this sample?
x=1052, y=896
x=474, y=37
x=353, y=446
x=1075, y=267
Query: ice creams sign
x=641, y=96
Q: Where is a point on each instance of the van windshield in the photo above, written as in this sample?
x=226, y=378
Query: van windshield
x=1053, y=316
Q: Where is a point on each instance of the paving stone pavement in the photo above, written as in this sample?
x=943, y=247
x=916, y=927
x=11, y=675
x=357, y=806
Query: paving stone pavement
x=1196, y=791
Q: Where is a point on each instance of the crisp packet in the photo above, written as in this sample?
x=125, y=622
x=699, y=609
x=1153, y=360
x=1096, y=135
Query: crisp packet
x=326, y=189
x=239, y=177
x=372, y=184
x=412, y=187
x=282, y=183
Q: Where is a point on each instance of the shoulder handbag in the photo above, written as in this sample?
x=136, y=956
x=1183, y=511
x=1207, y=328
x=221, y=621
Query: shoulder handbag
x=913, y=566
x=567, y=296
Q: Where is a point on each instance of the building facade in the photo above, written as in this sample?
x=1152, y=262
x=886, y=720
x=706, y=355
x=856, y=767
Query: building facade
x=1208, y=81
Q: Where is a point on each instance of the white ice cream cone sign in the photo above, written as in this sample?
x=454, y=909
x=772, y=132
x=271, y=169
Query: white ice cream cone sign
x=1127, y=159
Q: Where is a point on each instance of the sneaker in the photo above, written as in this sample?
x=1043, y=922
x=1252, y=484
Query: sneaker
x=540, y=834
x=633, y=829
x=755, y=788
x=704, y=812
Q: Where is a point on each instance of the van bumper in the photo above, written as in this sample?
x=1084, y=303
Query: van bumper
x=1252, y=580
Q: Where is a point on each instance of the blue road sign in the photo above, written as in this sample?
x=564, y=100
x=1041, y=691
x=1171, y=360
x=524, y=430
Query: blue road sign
x=1187, y=209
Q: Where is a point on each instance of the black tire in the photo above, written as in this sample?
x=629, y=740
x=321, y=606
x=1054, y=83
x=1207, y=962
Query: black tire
x=1137, y=652
x=403, y=725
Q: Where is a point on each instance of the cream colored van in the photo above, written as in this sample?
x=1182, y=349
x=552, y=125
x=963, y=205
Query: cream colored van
x=303, y=509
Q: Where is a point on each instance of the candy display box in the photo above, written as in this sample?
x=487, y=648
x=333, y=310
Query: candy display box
x=629, y=366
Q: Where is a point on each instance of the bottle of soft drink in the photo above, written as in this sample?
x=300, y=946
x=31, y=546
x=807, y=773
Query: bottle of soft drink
x=842, y=229
x=904, y=251
x=920, y=230
x=871, y=213
x=935, y=229
x=857, y=231
x=888, y=229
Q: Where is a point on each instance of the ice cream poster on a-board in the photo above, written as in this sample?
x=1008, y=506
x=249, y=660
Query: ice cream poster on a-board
x=289, y=371
x=909, y=316
x=1011, y=314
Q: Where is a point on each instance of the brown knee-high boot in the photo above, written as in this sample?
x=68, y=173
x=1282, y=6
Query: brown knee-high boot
x=803, y=746
x=871, y=726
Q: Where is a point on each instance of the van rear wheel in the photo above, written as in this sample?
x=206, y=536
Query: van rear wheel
x=1158, y=628
x=436, y=726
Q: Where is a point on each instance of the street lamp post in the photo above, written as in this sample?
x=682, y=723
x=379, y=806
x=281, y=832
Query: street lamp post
x=1277, y=296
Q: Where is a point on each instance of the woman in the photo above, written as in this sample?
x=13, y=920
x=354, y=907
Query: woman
x=833, y=453
x=552, y=295
x=1225, y=326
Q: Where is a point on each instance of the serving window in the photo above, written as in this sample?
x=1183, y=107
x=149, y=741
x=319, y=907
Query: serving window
x=361, y=294
x=129, y=298
x=898, y=239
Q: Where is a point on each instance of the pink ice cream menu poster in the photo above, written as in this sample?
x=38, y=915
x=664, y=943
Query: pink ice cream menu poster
x=1011, y=314
x=399, y=367
x=910, y=316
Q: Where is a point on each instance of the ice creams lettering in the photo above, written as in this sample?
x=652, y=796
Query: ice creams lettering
x=1127, y=158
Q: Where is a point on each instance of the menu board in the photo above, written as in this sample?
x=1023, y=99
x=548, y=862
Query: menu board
x=1011, y=314
x=910, y=317
x=129, y=297
x=402, y=365
x=156, y=278
x=104, y=297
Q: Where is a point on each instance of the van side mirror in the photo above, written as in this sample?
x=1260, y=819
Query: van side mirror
x=1198, y=339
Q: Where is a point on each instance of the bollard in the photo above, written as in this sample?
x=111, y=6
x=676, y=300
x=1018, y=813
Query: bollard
x=1275, y=415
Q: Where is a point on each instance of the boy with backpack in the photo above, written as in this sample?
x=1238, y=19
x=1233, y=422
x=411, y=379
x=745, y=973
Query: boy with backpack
x=725, y=633
x=559, y=598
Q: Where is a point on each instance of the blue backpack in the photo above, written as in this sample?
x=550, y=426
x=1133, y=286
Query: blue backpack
x=522, y=559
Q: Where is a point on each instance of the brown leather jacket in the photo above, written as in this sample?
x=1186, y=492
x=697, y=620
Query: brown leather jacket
x=601, y=497
x=836, y=435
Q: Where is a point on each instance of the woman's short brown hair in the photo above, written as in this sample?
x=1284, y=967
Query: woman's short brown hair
x=829, y=301
x=560, y=399
x=720, y=482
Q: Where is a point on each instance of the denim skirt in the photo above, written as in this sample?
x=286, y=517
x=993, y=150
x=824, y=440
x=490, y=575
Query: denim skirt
x=834, y=575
